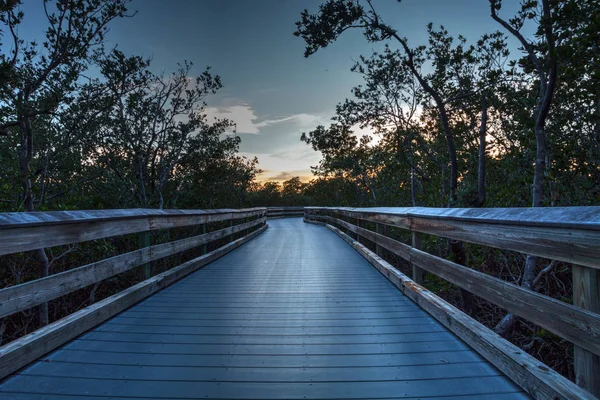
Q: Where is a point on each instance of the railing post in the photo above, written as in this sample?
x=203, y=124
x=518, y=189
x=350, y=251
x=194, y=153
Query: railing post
x=145, y=242
x=418, y=274
x=586, y=295
x=204, y=246
x=382, y=230
x=358, y=225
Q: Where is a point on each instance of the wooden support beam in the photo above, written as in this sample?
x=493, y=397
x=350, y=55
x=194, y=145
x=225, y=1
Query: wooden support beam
x=145, y=242
x=586, y=294
x=204, y=247
x=382, y=230
x=418, y=274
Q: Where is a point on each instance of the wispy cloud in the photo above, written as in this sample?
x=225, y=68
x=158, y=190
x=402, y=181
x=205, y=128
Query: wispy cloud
x=247, y=121
x=308, y=154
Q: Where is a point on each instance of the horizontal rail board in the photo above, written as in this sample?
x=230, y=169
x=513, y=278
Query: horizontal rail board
x=553, y=217
x=533, y=376
x=569, y=234
x=578, y=326
x=21, y=297
x=31, y=231
x=21, y=352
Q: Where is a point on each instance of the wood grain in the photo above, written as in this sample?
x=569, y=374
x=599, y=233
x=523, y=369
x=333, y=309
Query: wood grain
x=534, y=377
x=31, y=231
x=21, y=352
x=21, y=297
x=570, y=234
x=586, y=294
x=577, y=325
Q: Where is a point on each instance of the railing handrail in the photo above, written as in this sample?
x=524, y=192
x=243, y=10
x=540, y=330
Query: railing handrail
x=570, y=234
x=35, y=230
x=38, y=218
x=580, y=217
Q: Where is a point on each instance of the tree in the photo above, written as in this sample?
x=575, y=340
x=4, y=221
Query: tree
x=336, y=16
x=345, y=155
x=387, y=103
x=545, y=66
x=39, y=80
x=155, y=118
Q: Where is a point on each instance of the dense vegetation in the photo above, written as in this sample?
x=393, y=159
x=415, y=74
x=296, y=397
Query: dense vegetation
x=463, y=124
x=456, y=122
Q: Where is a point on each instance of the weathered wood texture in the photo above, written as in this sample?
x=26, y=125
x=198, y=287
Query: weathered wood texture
x=295, y=313
x=21, y=297
x=570, y=234
x=533, y=376
x=570, y=322
x=586, y=294
x=145, y=241
x=21, y=352
x=31, y=231
x=418, y=274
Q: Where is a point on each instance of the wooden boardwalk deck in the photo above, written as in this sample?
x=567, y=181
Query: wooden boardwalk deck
x=294, y=314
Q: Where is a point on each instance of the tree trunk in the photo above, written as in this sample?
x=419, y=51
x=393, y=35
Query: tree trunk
x=141, y=183
x=412, y=179
x=481, y=196
x=25, y=157
x=441, y=110
x=468, y=300
x=451, y=152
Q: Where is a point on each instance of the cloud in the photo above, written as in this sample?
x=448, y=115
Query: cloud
x=301, y=154
x=303, y=174
x=247, y=121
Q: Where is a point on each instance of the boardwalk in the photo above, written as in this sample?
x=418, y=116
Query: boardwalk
x=294, y=314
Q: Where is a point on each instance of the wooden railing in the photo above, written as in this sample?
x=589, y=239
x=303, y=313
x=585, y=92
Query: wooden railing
x=282, y=212
x=569, y=234
x=20, y=232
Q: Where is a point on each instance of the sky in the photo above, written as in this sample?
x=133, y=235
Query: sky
x=271, y=91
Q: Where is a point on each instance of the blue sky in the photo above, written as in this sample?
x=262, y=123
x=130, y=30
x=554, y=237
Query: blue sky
x=270, y=90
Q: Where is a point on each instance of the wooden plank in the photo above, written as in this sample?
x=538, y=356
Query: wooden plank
x=382, y=230
x=31, y=231
x=586, y=294
x=394, y=246
x=481, y=388
x=21, y=352
x=356, y=344
x=565, y=217
x=145, y=242
x=39, y=218
x=569, y=234
x=21, y=297
x=579, y=326
x=418, y=275
x=534, y=377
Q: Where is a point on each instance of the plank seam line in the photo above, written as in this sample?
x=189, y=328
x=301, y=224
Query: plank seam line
x=270, y=344
x=256, y=381
x=263, y=367
x=229, y=398
x=270, y=354
x=300, y=335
